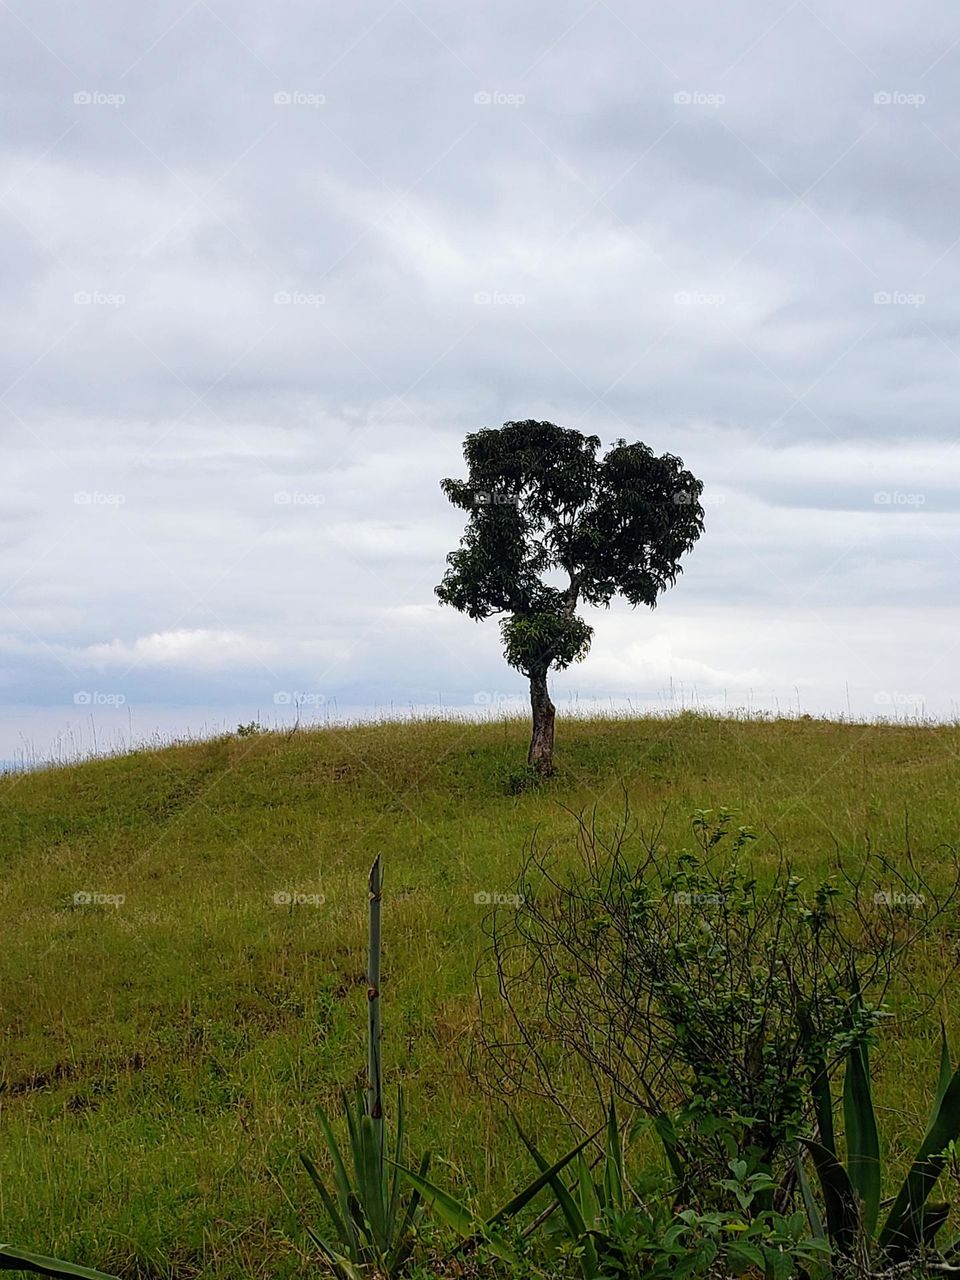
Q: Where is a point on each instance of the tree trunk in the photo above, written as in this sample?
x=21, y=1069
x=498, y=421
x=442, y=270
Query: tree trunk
x=540, y=755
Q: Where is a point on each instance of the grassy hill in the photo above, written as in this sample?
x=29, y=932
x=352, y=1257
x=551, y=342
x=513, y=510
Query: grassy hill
x=161, y=1055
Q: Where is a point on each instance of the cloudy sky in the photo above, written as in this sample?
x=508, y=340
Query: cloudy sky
x=265, y=265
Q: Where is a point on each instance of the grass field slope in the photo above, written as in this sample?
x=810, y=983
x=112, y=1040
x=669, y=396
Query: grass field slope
x=182, y=976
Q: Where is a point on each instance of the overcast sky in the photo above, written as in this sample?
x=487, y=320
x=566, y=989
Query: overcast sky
x=265, y=265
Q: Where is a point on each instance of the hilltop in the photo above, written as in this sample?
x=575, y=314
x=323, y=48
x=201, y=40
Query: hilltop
x=167, y=1033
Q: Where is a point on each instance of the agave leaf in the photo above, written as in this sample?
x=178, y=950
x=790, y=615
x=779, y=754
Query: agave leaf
x=839, y=1199
x=809, y=1203
x=902, y=1232
x=523, y=1198
x=397, y=1156
x=14, y=1259
x=934, y=1218
x=946, y=1071
x=457, y=1215
x=344, y=1232
x=568, y=1206
x=403, y=1237
x=340, y=1264
x=613, y=1165
x=823, y=1106
x=339, y=1168
x=863, y=1142
x=371, y=1179
x=589, y=1203
x=668, y=1136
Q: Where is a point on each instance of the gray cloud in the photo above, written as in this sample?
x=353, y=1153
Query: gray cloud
x=264, y=269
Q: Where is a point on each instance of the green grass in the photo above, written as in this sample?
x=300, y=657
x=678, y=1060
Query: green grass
x=161, y=1059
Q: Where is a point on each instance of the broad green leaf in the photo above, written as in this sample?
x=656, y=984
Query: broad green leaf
x=456, y=1215
x=346, y=1235
x=809, y=1203
x=341, y=1265
x=839, y=1198
x=823, y=1106
x=902, y=1233
x=14, y=1259
x=523, y=1198
x=943, y=1079
x=863, y=1142
x=589, y=1203
x=568, y=1206
x=613, y=1166
x=371, y=1179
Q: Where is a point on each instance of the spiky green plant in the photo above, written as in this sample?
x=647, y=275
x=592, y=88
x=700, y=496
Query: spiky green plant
x=851, y=1193
x=474, y=1229
x=13, y=1259
x=374, y=1224
x=594, y=1209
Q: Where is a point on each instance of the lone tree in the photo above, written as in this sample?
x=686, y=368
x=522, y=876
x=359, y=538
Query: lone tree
x=543, y=507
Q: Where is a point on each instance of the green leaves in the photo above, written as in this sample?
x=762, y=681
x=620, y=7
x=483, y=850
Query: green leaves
x=13, y=1259
x=851, y=1195
x=373, y=1227
x=473, y=1229
x=907, y=1226
x=863, y=1143
x=539, y=500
